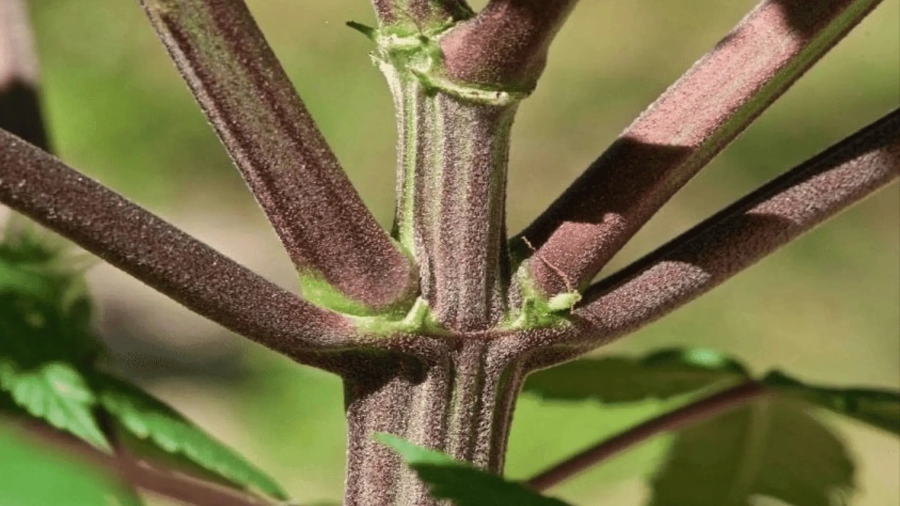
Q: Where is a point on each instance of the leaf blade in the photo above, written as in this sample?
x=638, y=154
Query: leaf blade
x=615, y=379
x=878, y=408
x=151, y=421
x=771, y=448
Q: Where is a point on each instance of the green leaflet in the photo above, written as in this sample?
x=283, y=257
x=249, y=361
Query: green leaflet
x=461, y=483
x=770, y=448
x=659, y=375
x=141, y=415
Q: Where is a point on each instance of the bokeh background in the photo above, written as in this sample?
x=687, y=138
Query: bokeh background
x=825, y=308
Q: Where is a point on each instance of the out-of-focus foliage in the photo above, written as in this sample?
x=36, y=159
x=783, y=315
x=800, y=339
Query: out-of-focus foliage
x=771, y=448
x=879, y=408
x=51, y=370
x=34, y=475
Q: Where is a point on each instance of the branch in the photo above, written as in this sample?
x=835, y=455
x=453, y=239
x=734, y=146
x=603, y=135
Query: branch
x=680, y=133
x=680, y=418
x=20, y=111
x=168, y=484
x=153, y=251
x=723, y=245
x=246, y=95
x=419, y=14
x=506, y=45
x=738, y=236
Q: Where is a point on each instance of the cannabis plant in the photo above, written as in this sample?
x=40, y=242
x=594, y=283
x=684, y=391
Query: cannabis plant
x=435, y=325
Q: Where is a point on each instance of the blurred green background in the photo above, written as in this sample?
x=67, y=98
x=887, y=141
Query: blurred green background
x=825, y=308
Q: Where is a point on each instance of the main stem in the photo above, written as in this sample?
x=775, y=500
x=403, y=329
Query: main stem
x=462, y=406
x=452, y=159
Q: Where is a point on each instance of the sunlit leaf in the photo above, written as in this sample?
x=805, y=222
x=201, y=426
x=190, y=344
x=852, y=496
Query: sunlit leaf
x=461, y=483
x=771, y=448
x=149, y=420
x=660, y=375
x=880, y=408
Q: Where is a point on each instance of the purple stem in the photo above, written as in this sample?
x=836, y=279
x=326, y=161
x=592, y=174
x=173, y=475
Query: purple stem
x=40, y=186
x=419, y=14
x=248, y=98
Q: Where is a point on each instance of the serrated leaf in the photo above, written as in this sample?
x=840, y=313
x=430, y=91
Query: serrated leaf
x=660, y=375
x=55, y=393
x=461, y=483
x=880, y=408
x=150, y=420
x=33, y=475
x=771, y=448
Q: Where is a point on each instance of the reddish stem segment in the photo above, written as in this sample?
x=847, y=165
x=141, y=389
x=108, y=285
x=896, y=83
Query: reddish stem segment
x=419, y=14
x=675, y=420
x=153, y=251
x=20, y=111
x=681, y=132
x=266, y=129
x=506, y=45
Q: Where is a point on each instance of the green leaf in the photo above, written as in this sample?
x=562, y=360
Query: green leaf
x=18, y=278
x=45, y=309
x=660, y=375
x=138, y=414
x=34, y=475
x=880, y=408
x=461, y=483
x=770, y=448
x=56, y=393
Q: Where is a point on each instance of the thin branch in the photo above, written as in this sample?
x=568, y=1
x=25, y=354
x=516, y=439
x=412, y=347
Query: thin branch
x=681, y=132
x=246, y=95
x=729, y=241
x=419, y=14
x=506, y=45
x=142, y=475
x=40, y=186
x=680, y=418
x=20, y=111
